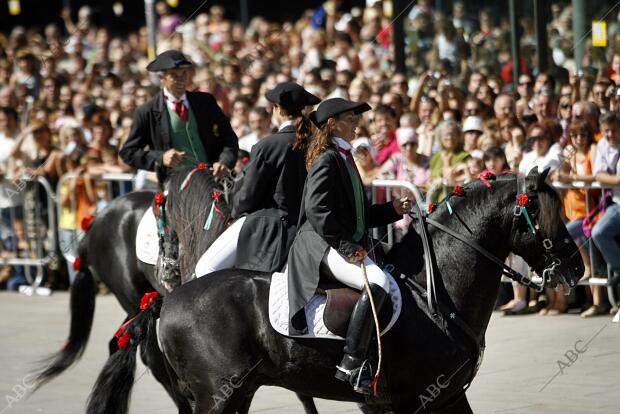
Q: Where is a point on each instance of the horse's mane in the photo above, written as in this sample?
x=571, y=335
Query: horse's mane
x=187, y=213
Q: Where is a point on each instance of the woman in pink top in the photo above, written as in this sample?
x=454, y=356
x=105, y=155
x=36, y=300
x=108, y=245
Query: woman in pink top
x=407, y=165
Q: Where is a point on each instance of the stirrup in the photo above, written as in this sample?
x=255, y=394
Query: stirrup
x=354, y=377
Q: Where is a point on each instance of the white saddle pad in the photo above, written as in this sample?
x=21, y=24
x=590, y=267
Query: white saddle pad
x=278, y=309
x=147, y=241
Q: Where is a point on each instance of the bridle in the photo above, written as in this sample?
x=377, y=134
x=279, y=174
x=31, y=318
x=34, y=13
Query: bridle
x=547, y=266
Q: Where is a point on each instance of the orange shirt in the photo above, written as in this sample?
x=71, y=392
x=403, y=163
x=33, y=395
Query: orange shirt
x=575, y=200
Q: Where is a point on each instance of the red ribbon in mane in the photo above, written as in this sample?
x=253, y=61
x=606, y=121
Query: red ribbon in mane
x=87, y=222
x=122, y=335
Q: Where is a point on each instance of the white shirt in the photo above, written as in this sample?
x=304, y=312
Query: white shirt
x=608, y=161
x=341, y=143
x=171, y=99
x=531, y=159
x=286, y=123
x=6, y=146
x=247, y=142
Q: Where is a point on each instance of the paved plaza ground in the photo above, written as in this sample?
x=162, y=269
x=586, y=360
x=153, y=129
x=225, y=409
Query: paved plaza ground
x=521, y=358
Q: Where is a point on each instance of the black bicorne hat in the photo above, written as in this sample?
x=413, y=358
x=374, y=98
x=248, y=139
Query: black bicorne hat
x=170, y=59
x=290, y=95
x=336, y=106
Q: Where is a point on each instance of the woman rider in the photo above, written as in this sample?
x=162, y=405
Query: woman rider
x=332, y=235
x=267, y=204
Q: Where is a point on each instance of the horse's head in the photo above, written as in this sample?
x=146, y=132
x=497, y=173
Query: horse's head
x=539, y=234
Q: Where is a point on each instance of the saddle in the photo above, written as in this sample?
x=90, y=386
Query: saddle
x=339, y=305
x=328, y=312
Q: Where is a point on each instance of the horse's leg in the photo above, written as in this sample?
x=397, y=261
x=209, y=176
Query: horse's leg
x=460, y=406
x=371, y=409
x=228, y=398
x=308, y=404
x=153, y=358
x=244, y=408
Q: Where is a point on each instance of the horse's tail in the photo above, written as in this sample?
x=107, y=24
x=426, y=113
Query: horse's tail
x=82, y=305
x=112, y=390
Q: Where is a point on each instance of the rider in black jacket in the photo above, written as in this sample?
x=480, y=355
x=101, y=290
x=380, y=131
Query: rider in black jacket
x=179, y=127
x=267, y=205
x=334, y=218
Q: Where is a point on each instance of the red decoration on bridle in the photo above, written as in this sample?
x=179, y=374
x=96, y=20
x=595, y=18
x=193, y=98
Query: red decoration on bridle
x=216, y=195
x=458, y=191
x=523, y=200
x=431, y=207
x=160, y=199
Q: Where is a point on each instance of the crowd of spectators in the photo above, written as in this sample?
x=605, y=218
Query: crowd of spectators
x=68, y=93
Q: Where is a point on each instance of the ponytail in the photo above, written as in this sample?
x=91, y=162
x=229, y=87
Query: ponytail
x=303, y=133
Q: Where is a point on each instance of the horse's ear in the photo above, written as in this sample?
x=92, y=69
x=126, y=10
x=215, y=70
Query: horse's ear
x=533, y=172
x=531, y=179
x=540, y=180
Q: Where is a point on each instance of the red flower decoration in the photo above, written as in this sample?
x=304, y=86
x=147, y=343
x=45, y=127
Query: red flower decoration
x=77, y=263
x=202, y=166
x=216, y=195
x=487, y=175
x=458, y=191
x=87, y=222
x=123, y=340
x=245, y=160
x=523, y=200
x=147, y=299
x=431, y=207
x=160, y=199
x=122, y=334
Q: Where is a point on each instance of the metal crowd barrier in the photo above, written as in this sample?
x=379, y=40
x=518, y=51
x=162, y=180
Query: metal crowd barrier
x=41, y=240
x=117, y=185
x=596, y=279
x=45, y=240
x=390, y=186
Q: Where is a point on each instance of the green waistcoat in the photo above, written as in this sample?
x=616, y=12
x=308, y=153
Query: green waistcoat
x=358, y=193
x=184, y=136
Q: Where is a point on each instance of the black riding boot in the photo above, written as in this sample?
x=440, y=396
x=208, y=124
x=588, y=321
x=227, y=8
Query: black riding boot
x=354, y=368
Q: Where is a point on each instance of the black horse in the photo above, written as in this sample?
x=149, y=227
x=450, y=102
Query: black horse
x=217, y=337
x=108, y=253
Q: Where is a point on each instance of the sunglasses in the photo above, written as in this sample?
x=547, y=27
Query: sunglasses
x=565, y=106
x=537, y=137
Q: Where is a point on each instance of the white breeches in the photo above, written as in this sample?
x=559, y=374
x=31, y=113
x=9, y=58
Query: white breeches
x=222, y=254
x=351, y=273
